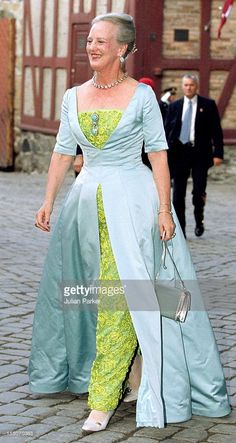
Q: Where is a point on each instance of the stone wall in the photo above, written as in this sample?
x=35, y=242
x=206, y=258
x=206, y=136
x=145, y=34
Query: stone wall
x=33, y=151
x=183, y=14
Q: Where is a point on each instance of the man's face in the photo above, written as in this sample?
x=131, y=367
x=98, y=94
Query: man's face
x=189, y=87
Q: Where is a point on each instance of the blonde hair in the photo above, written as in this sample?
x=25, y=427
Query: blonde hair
x=126, y=28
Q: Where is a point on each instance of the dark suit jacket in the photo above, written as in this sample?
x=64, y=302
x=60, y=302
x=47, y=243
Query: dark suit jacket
x=164, y=109
x=208, y=133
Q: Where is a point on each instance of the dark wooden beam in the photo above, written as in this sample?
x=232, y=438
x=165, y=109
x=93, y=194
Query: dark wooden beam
x=221, y=64
x=81, y=6
x=71, y=4
x=149, y=39
x=39, y=102
x=43, y=126
x=229, y=136
x=45, y=62
x=190, y=64
x=176, y=64
x=127, y=6
x=227, y=90
x=54, y=54
x=109, y=5
x=24, y=52
x=156, y=17
x=205, y=40
x=28, y=24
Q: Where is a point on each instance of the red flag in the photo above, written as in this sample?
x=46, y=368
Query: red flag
x=225, y=14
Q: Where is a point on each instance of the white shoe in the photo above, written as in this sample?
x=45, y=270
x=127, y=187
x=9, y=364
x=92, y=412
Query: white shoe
x=131, y=395
x=90, y=425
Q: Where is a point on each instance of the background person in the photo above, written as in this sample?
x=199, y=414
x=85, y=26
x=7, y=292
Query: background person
x=167, y=98
x=148, y=81
x=195, y=140
x=78, y=162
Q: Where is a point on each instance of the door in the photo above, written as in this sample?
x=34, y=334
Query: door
x=80, y=69
x=7, y=37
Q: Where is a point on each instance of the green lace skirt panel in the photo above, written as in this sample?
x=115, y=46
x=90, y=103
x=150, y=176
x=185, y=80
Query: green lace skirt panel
x=115, y=339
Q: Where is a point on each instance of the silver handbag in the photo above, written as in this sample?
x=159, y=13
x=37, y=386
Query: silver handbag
x=174, y=302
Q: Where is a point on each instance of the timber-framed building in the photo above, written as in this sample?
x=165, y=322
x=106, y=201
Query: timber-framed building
x=42, y=47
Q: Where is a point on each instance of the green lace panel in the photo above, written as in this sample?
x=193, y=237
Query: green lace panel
x=116, y=344
x=107, y=123
x=115, y=339
x=108, y=268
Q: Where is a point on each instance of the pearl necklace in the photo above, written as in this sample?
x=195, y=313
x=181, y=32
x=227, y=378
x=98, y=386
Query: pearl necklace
x=109, y=85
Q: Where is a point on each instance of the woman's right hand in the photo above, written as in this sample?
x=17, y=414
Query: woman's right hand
x=42, y=219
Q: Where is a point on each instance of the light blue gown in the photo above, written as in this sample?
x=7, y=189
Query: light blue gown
x=182, y=374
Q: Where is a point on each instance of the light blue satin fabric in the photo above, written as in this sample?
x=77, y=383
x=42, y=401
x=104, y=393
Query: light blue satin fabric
x=182, y=373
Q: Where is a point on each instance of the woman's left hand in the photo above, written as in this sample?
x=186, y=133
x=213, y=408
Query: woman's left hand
x=166, y=225
x=78, y=163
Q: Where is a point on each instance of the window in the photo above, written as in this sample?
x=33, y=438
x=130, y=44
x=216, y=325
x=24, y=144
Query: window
x=181, y=35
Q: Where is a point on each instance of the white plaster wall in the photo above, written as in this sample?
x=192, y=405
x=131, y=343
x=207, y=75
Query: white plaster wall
x=63, y=31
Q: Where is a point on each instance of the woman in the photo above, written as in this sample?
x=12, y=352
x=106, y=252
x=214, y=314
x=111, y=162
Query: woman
x=110, y=228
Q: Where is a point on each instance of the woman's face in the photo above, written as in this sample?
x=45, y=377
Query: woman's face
x=102, y=47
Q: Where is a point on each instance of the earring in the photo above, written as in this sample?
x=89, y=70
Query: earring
x=134, y=49
x=122, y=59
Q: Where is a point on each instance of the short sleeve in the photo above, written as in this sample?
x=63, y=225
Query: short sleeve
x=153, y=129
x=65, y=142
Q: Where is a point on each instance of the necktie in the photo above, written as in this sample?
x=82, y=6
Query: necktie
x=186, y=124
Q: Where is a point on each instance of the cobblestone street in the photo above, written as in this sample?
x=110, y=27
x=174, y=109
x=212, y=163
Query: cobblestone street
x=26, y=417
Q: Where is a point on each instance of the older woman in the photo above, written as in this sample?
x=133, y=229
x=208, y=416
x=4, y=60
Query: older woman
x=110, y=228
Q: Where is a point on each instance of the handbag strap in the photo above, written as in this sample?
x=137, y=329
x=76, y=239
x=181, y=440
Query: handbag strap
x=163, y=261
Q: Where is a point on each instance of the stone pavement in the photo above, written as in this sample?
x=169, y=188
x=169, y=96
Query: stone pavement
x=25, y=417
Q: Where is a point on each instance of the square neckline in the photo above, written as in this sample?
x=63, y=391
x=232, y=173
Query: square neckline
x=109, y=120
x=88, y=111
x=124, y=111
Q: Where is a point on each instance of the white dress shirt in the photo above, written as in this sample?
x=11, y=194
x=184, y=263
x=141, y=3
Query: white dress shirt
x=194, y=111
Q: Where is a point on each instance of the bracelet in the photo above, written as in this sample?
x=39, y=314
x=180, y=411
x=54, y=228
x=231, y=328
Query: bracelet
x=165, y=212
x=165, y=206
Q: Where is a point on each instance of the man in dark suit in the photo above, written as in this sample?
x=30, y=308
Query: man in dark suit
x=195, y=140
x=166, y=99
